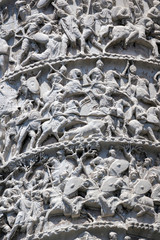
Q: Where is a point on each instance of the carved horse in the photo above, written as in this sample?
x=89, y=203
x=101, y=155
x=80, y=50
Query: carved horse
x=132, y=33
x=4, y=56
x=93, y=127
x=136, y=128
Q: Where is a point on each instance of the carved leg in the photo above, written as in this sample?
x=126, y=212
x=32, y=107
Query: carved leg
x=96, y=44
x=113, y=42
x=29, y=227
x=85, y=35
x=64, y=45
x=132, y=36
x=53, y=211
x=151, y=134
x=24, y=51
x=32, y=134
x=137, y=132
x=22, y=137
x=8, y=144
x=105, y=209
x=43, y=137
x=13, y=231
x=67, y=206
x=104, y=32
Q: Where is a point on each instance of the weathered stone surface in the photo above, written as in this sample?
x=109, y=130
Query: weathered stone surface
x=79, y=120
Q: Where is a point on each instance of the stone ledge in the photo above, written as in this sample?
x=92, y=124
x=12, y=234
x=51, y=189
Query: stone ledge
x=129, y=228
x=59, y=60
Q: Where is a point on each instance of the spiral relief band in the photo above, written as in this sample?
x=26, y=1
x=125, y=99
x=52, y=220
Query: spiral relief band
x=80, y=120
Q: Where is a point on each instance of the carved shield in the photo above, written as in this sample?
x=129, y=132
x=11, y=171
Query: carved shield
x=42, y=3
x=142, y=187
x=34, y=115
x=118, y=167
x=73, y=185
x=33, y=85
x=109, y=184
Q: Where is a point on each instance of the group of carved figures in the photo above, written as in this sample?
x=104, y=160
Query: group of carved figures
x=111, y=236
x=78, y=183
x=90, y=27
x=103, y=104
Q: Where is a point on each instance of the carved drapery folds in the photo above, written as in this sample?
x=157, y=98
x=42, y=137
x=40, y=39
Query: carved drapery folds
x=80, y=119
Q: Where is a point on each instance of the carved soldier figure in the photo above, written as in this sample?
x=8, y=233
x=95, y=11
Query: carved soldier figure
x=87, y=23
x=29, y=30
x=4, y=227
x=103, y=19
x=23, y=9
x=96, y=74
x=30, y=124
x=113, y=236
x=71, y=33
x=22, y=207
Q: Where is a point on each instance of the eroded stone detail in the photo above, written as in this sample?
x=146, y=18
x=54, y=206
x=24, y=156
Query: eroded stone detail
x=80, y=119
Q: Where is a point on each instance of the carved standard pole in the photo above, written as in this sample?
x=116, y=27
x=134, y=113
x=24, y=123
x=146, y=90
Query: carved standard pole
x=80, y=120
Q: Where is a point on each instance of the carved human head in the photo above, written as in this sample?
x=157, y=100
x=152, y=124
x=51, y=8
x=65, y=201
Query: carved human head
x=133, y=175
x=118, y=184
x=79, y=11
x=39, y=175
x=46, y=196
x=36, y=195
x=97, y=7
x=113, y=236
x=63, y=70
x=107, y=4
x=75, y=74
x=27, y=194
x=127, y=238
x=147, y=162
x=54, y=77
x=60, y=155
x=28, y=106
x=133, y=69
x=112, y=152
x=40, y=20
x=99, y=64
x=153, y=177
x=22, y=78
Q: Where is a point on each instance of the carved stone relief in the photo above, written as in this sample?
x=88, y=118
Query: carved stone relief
x=79, y=120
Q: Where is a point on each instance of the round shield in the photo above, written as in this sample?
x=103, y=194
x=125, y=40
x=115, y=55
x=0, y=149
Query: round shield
x=156, y=194
x=109, y=184
x=73, y=185
x=34, y=115
x=41, y=38
x=33, y=85
x=142, y=187
x=118, y=167
x=42, y=3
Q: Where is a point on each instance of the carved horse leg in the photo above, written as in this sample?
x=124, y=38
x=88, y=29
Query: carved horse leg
x=4, y=59
x=113, y=42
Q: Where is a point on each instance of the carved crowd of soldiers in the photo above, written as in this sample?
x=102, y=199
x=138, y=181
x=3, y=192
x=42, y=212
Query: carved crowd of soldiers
x=102, y=103
x=90, y=27
x=124, y=182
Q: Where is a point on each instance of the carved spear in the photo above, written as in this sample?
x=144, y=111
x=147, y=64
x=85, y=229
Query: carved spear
x=89, y=6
